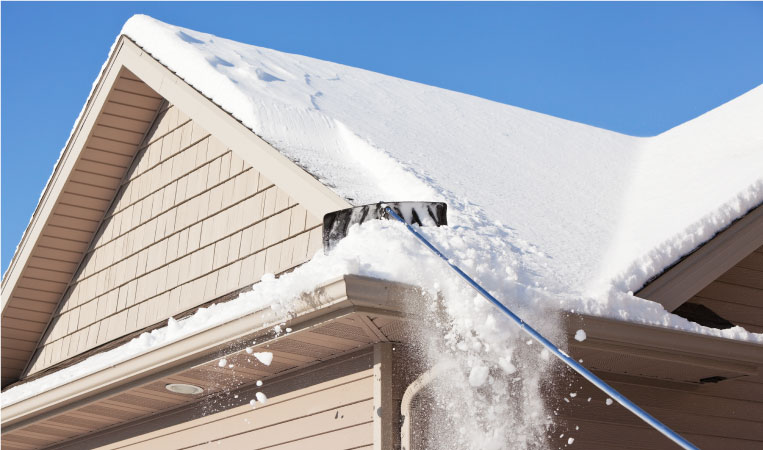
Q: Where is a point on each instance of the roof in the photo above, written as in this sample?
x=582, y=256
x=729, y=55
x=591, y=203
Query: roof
x=601, y=209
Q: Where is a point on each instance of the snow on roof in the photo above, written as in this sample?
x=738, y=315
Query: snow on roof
x=603, y=207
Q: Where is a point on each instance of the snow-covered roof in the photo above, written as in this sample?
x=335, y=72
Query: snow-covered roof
x=602, y=208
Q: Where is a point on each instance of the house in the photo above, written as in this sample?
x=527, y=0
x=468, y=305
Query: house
x=161, y=296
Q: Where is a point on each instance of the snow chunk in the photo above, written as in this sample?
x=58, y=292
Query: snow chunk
x=264, y=357
x=262, y=398
x=609, y=401
x=580, y=336
x=222, y=363
x=478, y=375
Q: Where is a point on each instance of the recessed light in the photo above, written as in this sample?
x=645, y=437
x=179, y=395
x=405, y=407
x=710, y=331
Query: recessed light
x=185, y=389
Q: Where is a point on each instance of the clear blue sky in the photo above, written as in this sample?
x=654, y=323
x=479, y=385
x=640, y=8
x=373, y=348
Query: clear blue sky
x=638, y=69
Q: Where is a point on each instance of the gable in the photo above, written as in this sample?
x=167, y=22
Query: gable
x=724, y=275
x=192, y=222
x=35, y=283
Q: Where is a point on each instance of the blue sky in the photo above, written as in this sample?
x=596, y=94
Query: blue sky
x=639, y=69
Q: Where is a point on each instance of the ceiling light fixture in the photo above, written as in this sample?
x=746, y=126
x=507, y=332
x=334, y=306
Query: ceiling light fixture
x=185, y=389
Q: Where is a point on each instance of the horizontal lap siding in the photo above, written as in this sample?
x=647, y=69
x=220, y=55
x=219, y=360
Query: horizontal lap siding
x=332, y=415
x=737, y=295
x=728, y=414
x=191, y=222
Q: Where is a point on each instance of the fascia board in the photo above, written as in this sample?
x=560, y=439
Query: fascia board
x=680, y=346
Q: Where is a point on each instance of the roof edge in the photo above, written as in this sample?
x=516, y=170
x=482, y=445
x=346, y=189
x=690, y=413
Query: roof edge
x=684, y=279
x=331, y=300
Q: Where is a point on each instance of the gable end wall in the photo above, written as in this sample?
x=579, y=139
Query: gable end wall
x=191, y=223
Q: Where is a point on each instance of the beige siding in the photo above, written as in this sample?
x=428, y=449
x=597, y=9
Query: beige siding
x=333, y=415
x=191, y=222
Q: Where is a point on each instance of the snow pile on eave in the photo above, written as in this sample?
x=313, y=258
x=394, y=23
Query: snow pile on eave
x=602, y=208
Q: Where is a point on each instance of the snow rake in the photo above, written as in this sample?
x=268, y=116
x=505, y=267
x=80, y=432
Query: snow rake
x=336, y=225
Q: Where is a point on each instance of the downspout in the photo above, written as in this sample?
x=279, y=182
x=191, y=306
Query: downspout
x=405, y=406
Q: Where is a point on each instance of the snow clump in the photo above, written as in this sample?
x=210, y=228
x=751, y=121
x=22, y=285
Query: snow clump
x=264, y=357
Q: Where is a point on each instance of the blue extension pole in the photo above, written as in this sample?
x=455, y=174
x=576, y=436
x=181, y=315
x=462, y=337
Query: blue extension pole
x=577, y=367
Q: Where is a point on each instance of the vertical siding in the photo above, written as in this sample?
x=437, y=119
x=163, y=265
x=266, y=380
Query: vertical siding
x=191, y=222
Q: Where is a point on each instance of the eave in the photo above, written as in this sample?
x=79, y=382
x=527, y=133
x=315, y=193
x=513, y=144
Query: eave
x=370, y=307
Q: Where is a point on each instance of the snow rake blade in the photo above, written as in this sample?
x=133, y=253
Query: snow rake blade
x=337, y=223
